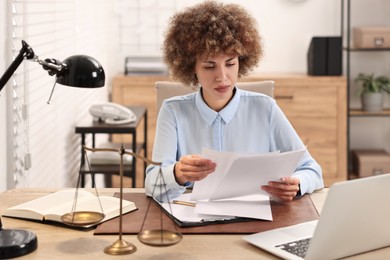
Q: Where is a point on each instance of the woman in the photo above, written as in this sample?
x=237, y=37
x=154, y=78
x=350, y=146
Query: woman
x=212, y=45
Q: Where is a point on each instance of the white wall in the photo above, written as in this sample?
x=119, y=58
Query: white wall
x=3, y=94
x=286, y=27
x=53, y=145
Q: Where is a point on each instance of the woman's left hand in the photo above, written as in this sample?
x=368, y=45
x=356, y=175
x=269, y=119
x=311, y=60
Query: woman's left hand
x=286, y=189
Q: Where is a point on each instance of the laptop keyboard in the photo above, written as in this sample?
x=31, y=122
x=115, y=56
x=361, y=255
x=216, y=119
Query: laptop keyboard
x=298, y=248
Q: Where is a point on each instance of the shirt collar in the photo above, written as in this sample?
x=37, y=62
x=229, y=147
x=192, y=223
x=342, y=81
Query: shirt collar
x=226, y=113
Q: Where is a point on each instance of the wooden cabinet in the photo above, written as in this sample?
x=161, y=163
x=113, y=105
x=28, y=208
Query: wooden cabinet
x=316, y=107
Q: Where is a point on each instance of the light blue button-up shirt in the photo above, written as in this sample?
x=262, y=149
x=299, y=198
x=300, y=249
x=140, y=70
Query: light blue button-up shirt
x=251, y=122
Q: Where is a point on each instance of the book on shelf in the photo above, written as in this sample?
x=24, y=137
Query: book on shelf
x=50, y=208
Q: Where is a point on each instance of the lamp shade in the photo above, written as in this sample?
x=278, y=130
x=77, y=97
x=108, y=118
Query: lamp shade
x=82, y=71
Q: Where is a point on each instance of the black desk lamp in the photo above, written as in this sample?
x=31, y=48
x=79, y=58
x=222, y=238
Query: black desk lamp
x=76, y=71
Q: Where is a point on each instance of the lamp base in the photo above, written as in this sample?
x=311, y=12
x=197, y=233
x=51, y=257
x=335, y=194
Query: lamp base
x=16, y=242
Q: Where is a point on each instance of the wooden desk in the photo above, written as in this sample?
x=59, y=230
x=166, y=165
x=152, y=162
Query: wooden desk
x=94, y=128
x=56, y=242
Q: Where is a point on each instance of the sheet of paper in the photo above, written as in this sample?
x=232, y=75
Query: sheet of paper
x=245, y=174
x=255, y=206
x=205, y=188
x=187, y=213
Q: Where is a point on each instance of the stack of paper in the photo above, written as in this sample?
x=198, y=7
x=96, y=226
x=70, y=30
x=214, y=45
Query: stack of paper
x=239, y=175
x=234, y=189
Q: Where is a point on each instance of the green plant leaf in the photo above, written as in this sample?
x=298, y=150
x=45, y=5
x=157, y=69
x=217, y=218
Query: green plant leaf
x=371, y=84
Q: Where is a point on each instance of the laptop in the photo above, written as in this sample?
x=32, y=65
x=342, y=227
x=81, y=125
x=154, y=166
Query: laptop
x=354, y=219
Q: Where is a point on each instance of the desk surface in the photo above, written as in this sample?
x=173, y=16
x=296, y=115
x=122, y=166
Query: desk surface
x=56, y=242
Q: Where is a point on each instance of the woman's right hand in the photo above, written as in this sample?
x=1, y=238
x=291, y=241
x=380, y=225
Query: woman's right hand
x=192, y=168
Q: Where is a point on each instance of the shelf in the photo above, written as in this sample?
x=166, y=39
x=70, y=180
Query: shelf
x=353, y=49
x=361, y=113
x=350, y=49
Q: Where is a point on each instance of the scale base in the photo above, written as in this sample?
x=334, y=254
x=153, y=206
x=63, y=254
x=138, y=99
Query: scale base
x=120, y=247
x=16, y=242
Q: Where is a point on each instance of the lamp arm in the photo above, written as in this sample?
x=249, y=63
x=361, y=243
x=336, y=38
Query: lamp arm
x=53, y=66
x=25, y=52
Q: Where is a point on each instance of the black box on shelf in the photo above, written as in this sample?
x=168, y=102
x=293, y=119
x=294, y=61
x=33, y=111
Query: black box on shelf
x=325, y=56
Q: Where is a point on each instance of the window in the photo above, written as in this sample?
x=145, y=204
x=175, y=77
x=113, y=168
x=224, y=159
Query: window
x=44, y=150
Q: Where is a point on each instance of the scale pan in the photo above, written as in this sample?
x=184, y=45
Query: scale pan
x=82, y=218
x=159, y=237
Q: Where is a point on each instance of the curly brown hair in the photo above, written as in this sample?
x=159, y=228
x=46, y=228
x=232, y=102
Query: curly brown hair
x=208, y=29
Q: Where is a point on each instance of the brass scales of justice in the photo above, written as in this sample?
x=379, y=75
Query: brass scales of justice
x=157, y=237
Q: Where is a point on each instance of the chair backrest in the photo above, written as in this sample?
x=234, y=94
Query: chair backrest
x=167, y=89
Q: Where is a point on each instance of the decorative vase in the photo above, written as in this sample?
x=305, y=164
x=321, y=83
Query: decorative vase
x=372, y=102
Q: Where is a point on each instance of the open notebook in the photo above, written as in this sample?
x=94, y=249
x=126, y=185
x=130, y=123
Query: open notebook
x=355, y=219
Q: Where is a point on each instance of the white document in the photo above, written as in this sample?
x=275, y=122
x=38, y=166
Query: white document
x=256, y=207
x=187, y=214
x=241, y=175
x=203, y=189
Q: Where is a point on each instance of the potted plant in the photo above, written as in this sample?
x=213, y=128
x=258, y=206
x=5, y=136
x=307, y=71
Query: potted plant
x=372, y=90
